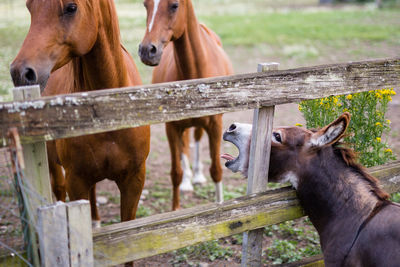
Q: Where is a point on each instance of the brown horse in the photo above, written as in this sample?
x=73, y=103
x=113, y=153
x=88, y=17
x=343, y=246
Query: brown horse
x=184, y=49
x=74, y=46
x=357, y=225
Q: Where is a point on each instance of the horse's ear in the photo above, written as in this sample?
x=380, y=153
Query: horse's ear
x=331, y=133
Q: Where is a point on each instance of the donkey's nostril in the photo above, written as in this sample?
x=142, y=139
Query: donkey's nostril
x=30, y=75
x=232, y=127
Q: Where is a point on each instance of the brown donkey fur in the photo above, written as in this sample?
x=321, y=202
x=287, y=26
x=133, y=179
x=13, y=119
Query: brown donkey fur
x=74, y=46
x=357, y=224
x=184, y=49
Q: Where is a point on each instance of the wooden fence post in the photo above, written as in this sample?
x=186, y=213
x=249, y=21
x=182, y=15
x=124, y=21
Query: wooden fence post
x=258, y=171
x=65, y=234
x=35, y=183
x=37, y=177
x=80, y=234
x=53, y=235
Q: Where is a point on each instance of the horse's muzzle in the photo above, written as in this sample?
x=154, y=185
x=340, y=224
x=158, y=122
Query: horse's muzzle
x=23, y=75
x=150, y=54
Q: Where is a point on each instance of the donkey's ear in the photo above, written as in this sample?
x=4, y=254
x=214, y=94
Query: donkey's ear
x=331, y=133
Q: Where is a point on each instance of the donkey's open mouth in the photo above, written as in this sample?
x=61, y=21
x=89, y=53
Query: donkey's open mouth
x=240, y=135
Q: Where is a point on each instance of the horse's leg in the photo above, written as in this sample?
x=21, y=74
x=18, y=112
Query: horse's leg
x=78, y=188
x=186, y=184
x=174, y=141
x=199, y=177
x=131, y=188
x=96, y=223
x=56, y=174
x=214, y=131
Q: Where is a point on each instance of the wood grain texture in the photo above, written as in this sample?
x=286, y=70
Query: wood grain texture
x=37, y=178
x=53, y=235
x=260, y=149
x=80, y=233
x=105, y=110
x=161, y=233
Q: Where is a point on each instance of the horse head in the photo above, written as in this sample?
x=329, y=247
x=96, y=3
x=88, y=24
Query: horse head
x=292, y=148
x=60, y=30
x=166, y=21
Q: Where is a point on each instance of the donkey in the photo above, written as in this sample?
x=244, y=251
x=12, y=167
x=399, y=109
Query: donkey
x=357, y=224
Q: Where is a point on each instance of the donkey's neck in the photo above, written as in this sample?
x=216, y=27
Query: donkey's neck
x=104, y=66
x=191, y=63
x=337, y=201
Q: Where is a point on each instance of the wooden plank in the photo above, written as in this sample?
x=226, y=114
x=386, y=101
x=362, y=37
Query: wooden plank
x=53, y=235
x=161, y=233
x=93, y=112
x=258, y=171
x=314, y=261
x=37, y=179
x=80, y=234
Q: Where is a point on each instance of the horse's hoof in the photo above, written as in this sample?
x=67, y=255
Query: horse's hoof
x=186, y=185
x=96, y=224
x=199, y=178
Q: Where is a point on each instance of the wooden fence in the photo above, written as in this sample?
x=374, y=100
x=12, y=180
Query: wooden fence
x=48, y=118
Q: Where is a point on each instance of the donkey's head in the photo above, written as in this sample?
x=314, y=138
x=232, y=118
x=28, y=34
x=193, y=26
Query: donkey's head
x=166, y=21
x=59, y=31
x=291, y=150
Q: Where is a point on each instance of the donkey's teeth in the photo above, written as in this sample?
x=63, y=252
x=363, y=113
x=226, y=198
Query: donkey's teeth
x=227, y=156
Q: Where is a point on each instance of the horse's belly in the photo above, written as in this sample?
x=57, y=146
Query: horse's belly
x=109, y=155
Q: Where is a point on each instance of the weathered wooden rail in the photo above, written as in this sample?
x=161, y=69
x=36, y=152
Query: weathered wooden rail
x=161, y=233
x=49, y=118
x=93, y=112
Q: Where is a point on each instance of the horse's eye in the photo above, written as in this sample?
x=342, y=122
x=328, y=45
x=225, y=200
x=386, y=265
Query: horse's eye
x=277, y=137
x=174, y=7
x=70, y=9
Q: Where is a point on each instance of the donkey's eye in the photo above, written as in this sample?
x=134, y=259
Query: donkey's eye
x=174, y=7
x=70, y=9
x=277, y=137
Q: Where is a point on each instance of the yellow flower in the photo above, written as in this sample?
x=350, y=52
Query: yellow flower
x=378, y=124
x=378, y=95
x=392, y=92
x=349, y=97
x=388, y=121
x=298, y=124
x=300, y=108
x=378, y=139
x=321, y=102
x=345, y=110
x=390, y=98
x=335, y=100
x=388, y=150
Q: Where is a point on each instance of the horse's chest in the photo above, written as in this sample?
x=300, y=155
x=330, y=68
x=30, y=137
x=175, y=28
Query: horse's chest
x=92, y=157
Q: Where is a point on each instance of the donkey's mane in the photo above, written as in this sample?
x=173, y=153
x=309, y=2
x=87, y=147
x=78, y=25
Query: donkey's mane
x=350, y=158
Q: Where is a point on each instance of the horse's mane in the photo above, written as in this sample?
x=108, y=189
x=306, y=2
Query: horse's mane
x=350, y=158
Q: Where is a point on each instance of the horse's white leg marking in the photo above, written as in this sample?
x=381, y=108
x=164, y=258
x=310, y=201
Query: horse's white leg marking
x=219, y=193
x=96, y=224
x=199, y=177
x=186, y=184
x=155, y=8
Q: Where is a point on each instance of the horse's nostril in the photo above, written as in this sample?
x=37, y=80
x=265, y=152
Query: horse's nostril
x=232, y=127
x=29, y=75
x=153, y=50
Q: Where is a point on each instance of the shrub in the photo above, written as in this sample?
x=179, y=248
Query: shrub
x=368, y=127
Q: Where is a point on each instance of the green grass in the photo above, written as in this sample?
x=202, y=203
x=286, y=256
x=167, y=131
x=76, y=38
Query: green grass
x=333, y=28
x=300, y=34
